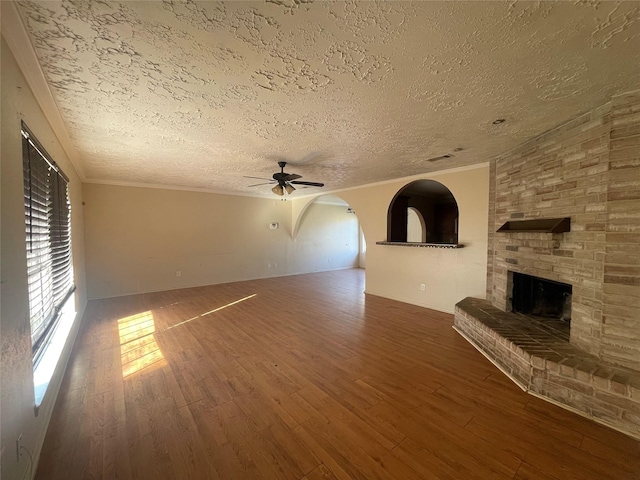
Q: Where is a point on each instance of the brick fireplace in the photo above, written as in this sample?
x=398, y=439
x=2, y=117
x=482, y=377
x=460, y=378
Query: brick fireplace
x=587, y=170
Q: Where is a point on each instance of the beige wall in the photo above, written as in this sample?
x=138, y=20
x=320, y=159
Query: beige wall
x=138, y=238
x=448, y=274
x=17, y=397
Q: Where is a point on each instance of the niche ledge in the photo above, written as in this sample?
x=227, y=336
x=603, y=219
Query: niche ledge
x=422, y=245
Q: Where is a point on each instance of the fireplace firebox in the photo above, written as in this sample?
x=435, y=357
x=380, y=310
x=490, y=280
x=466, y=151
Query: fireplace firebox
x=541, y=297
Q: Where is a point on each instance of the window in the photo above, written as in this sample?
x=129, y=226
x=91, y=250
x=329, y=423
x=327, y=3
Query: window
x=48, y=241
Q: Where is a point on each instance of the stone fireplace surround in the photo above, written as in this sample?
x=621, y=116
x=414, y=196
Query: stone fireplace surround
x=589, y=170
x=544, y=364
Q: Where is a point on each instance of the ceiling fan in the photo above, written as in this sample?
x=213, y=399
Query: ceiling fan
x=285, y=181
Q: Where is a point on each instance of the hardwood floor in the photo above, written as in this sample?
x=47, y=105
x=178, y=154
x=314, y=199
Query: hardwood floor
x=303, y=377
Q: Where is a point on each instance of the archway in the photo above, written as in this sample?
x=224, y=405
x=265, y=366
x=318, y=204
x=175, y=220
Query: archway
x=332, y=226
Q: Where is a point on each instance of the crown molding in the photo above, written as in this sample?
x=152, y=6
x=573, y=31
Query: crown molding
x=422, y=176
x=412, y=178
x=15, y=34
x=157, y=186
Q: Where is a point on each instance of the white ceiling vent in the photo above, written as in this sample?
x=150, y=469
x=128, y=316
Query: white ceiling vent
x=441, y=157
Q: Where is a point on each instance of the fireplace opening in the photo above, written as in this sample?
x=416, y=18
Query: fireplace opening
x=541, y=297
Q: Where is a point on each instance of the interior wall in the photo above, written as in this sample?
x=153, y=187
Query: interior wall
x=139, y=238
x=449, y=275
x=16, y=380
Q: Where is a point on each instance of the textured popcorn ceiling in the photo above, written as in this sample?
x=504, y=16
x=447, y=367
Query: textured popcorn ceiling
x=198, y=94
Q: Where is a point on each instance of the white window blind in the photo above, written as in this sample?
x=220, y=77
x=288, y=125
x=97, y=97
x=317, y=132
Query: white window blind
x=48, y=240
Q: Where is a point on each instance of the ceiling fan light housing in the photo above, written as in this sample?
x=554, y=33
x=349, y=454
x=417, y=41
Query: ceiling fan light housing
x=289, y=188
x=278, y=190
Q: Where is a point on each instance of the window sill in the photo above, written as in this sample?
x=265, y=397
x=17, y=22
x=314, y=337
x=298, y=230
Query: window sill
x=423, y=245
x=48, y=362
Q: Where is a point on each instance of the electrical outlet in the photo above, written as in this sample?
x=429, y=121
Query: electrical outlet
x=275, y=265
x=178, y=273
x=423, y=287
x=18, y=447
x=268, y=265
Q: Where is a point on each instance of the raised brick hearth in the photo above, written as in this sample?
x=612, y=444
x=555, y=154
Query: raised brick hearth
x=588, y=170
x=544, y=363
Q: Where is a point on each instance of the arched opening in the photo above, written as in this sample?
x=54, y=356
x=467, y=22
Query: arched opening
x=424, y=211
x=330, y=228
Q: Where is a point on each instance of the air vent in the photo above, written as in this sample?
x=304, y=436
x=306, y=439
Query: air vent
x=441, y=157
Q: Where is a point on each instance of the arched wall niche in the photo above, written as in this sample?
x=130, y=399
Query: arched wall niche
x=437, y=209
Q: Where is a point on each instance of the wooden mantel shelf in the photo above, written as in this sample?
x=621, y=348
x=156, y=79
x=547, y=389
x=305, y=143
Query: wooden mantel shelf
x=538, y=225
x=423, y=245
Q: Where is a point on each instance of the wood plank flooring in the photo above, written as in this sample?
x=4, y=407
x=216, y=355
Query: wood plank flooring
x=303, y=378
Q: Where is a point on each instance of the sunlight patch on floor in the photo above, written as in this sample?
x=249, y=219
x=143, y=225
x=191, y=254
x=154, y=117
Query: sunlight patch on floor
x=212, y=311
x=138, y=347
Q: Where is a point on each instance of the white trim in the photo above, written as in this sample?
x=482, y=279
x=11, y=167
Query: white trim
x=337, y=203
x=270, y=196
x=419, y=176
x=523, y=387
x=54, y=389
x=208, y=284
x=15, y=34
x=404, y=300
x=158, y=186
x=47, y=365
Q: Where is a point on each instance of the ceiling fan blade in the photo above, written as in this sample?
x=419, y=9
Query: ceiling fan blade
x=311, y=184
x=258, y=184
x=291, y=176
x=259, y=178
x=283, y=181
